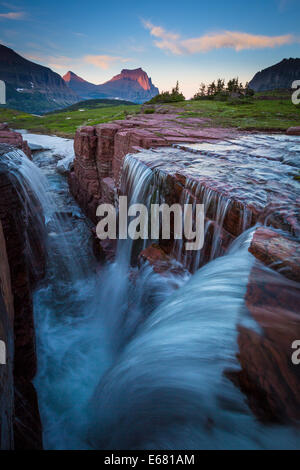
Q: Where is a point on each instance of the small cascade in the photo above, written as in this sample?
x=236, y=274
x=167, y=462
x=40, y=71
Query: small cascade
x=152, y=186
x=47, y=223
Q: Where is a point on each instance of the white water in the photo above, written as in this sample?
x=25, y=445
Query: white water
x=137, y=365
x=62, y=149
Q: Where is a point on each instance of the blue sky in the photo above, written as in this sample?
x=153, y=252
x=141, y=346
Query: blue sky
x=190, y=41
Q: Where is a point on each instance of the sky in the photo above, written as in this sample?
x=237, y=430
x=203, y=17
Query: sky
x=189, y=41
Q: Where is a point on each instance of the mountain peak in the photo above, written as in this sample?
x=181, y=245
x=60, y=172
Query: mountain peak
x=137, y=75
x=72, y=76
x=131, y=85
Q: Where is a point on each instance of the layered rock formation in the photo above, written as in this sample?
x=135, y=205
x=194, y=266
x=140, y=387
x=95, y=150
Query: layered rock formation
x=229, y=173
x=32, y=87
x=14, y=139
x=132, y=85
x=22, y=246
x=268, y=376
x=100, y=151
x=278, y=76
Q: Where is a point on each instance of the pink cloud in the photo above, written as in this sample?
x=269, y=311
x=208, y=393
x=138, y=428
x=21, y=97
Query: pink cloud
x=13, y=15
x=64, y=62
x=226, y=39
x=103, y=61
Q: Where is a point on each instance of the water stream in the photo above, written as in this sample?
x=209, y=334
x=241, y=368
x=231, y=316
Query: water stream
x=127, y=358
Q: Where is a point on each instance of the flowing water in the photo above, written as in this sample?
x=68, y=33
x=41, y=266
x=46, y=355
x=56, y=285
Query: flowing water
x=128, y=358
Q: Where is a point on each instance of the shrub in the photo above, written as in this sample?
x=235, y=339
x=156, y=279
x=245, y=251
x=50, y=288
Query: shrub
x=168, y=97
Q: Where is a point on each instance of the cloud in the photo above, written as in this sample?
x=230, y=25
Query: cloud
x=13, y=15
x=80, y=34
x=226, y=39
x=235, y=40
x=70, y=63
x=168, y=41
x=103, y=61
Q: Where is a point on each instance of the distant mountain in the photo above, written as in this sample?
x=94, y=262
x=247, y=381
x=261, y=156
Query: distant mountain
x=132, y=85
x=80, y=86
x=31, y=87
x=278, y=76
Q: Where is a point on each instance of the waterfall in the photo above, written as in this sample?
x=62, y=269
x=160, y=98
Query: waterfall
x=150, y=185
x=130, y=359
x=168, y=388
x=83, y=315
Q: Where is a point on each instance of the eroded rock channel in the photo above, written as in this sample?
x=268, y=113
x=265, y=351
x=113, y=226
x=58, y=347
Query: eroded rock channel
x=154, y=347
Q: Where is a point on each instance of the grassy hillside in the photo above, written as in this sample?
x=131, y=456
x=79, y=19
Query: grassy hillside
x=249, y=114
x=65, y=123
x=36, y=103
x=257, y=114
x=93, y=104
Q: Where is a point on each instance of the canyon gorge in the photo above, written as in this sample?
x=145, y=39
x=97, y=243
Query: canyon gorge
x=142, y=344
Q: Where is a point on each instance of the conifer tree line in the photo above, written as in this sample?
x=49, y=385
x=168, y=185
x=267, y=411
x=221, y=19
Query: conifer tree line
x=219, y=87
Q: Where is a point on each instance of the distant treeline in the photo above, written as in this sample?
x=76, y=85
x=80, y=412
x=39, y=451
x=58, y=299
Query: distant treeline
x=217, y=89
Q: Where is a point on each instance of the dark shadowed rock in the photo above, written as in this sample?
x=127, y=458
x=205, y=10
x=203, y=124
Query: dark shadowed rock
x=278, y=76
x=25, y=255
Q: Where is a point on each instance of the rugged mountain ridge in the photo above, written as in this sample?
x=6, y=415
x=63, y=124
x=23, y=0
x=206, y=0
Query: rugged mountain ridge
x=278, y=76
x=32, y=87
x=132, y=85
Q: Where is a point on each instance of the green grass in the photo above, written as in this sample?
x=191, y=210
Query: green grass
x=263, y=115
x=65, y=123
x=274, y=94
x=256, y=114
x=93, y=104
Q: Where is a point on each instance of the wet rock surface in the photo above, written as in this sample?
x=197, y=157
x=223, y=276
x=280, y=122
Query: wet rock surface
x=100, y=150
x=7, y=136
x=268, y=377
x=161, y=262
x=276, y=251
x=6, y=335
x=22, y=246
x=242, y=180
x=293, y=131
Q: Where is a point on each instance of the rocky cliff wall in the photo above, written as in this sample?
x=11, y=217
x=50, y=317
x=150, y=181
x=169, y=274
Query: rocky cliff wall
x=18, y=222
x=6, y=335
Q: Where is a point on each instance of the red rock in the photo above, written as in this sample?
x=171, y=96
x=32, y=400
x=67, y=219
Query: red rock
x=108, y=190
x=268, y=377
x=96, y=161
x=293, y=130
x=161, y=262
x=6, y=335
x=276, y=251
x=15, y=139
x=18, y=222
